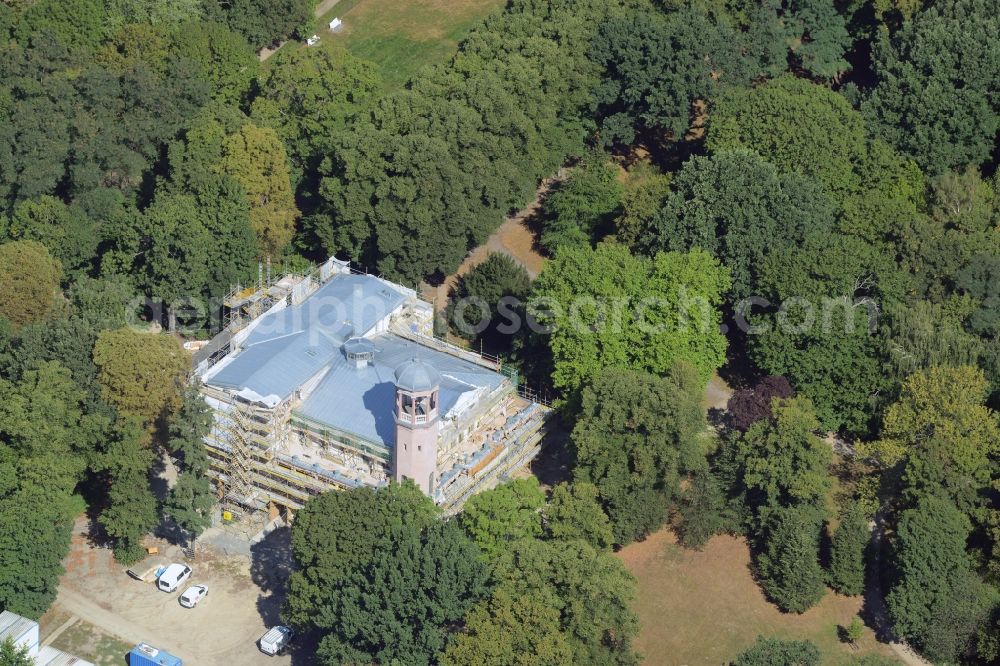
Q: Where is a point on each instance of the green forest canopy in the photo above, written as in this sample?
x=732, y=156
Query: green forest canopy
x=838, y=160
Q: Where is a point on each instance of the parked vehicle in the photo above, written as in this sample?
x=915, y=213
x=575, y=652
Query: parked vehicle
x=147, y=575
x=173, y=577
x=275, y=640
x=147, y=655
x=193, y=595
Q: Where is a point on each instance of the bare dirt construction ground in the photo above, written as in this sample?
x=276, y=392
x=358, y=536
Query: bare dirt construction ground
x=703, y=607
x=116, y=612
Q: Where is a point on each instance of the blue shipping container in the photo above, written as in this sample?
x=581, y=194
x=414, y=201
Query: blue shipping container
x=147, y=655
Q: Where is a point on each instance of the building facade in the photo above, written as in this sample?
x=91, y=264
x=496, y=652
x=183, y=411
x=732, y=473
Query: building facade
x=334, y=380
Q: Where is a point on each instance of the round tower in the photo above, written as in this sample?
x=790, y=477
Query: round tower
x=415, y=453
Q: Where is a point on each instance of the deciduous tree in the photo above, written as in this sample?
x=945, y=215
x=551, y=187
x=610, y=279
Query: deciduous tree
x=979, y=279
x=823, y=337
x=140, y=373
x=222, y=57
x=753, y=403
x=509, y=512
x=935, y=74
x=42, y=436
x=657, y=65
x=29, y=281
x=430, y=172
x=35, y=530
x=924, y=334
x=308, y=95
x=171, y=246
x=946, y=434
x=635, y=435
x=784, y=462
x=262, y=22
x=66, y=231
x=645, y=191
x=153, y=12
x=511, y=629
x=256, y=158
x=610, y=309
x=73, y=23
x=823, y=40
x=741, y=209
x=796, y=125
x=574, y=511
x=579, y=211
x=591, y=590
x=380, y=576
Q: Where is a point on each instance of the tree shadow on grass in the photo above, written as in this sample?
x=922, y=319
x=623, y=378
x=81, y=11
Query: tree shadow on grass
x=271, y=563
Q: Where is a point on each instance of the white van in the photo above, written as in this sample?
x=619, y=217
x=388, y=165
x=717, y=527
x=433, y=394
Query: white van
x=275, y=640
x=173, y=577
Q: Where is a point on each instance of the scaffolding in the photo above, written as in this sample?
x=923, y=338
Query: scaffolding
x=240, y=490
x=247, y=439
x=264, y=455
x=510, y=450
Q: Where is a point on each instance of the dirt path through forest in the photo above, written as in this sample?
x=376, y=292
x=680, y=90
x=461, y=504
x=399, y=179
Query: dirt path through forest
x=513, y=238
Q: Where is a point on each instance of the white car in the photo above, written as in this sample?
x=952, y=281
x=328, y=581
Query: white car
x=275, y=640
x=193, y=595
x=173, y=577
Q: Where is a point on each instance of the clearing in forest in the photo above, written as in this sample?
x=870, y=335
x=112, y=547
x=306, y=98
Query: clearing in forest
x=403, y=36
x=704, y=607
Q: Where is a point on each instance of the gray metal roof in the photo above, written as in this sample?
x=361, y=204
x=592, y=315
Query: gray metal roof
x=14, y=627
x=361, y=401
x=416, y=375
x=346, y=306
x=286, y=348
x=50, y=656
x=276, y=367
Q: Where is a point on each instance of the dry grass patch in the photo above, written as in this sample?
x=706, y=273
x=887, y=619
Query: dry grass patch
x=703, y=607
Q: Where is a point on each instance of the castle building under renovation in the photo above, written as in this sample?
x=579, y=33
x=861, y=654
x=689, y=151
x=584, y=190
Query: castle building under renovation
x=334, y=380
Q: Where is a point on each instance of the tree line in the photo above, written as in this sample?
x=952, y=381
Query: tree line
x=827, y=177
x=805, y=153
x=519, y=577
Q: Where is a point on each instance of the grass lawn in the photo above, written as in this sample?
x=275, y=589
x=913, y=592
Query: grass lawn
x=703, y=607
x=403, y=36
x=84, y=640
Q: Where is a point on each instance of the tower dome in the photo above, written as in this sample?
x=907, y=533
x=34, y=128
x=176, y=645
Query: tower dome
x=416, y=375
